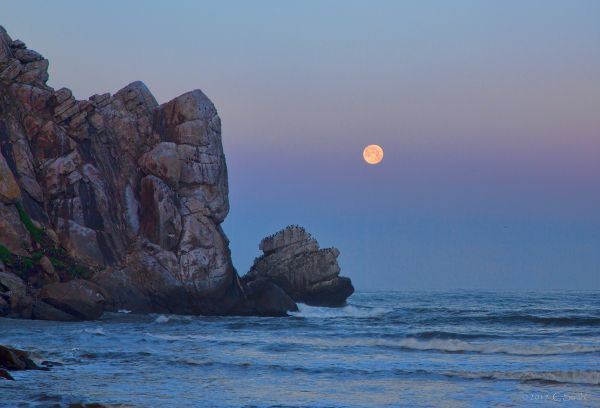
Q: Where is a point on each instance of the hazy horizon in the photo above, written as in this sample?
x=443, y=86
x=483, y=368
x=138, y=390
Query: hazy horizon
x=488, y=115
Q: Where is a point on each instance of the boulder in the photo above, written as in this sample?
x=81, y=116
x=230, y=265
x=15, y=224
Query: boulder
x=5, y=375
x=15, y=359
x=79, y=298
x=293, y=261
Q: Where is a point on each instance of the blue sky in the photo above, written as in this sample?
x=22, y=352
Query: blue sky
x=487, y=111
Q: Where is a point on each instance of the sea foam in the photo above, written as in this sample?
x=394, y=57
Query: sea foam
x=346, y=311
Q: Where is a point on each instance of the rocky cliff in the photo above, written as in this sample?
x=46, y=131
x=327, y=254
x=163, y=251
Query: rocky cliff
x=116, y=202
x=116, y=186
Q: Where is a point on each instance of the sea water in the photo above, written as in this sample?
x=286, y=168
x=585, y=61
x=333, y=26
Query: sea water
x=384, y=349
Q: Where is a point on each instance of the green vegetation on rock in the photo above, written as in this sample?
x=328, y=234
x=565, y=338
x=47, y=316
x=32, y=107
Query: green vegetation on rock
x=78, y=271
x=5, y=255
x=73, y=271
x=64, y=264
x=36, y=233
x=19, y=264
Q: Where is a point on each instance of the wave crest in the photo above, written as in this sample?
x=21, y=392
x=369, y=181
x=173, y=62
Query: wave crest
x=175, y=318
x=97, y=331
x=459, y=346
x=346, y=311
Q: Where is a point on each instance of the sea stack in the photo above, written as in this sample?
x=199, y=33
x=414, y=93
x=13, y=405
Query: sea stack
x=293, y=261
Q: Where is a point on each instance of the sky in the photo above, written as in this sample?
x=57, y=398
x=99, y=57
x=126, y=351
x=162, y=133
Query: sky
x=488, y=113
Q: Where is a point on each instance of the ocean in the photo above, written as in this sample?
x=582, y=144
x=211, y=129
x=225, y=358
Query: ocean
x=384, y=349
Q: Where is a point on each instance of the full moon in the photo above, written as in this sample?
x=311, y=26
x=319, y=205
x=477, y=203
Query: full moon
x=373, y=154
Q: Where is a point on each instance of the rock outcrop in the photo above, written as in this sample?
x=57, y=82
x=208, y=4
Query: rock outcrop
x=117, y=189
x=293, y=261
x=14, y=359
x=116, y=202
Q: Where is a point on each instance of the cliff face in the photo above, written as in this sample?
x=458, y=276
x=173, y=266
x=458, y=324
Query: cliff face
x=116, y=187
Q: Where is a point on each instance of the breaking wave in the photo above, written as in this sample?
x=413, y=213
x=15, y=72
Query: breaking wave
x=460, y=346
x=346, y=311
x=97, y=331
x=175, y=318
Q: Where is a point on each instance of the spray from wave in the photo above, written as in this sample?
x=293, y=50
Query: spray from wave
x=174, y=318
x=96, y=331
x=340, y=312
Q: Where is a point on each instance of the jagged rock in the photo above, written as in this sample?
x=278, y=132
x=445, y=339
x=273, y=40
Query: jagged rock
x=6, y=375
x=79, y=298
x=33, y=98
x=15, y=359
x=17, y=44
x=293, y=261
x=35, y=72
x=100, y=101
x=62, y=95
x=26, y=56
x=11, y=71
